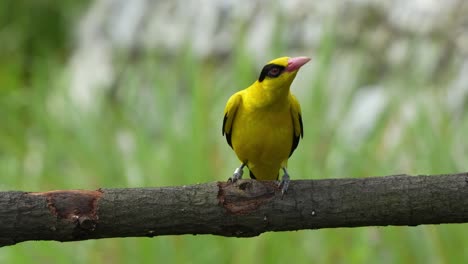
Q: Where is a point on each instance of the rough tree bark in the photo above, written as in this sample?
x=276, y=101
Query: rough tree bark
x=247, y=208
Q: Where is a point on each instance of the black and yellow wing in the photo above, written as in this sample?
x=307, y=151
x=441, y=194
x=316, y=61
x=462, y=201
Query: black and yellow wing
x=297, y=122
x=229, y=114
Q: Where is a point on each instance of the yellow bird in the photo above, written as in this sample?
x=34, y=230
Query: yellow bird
x=263, y=122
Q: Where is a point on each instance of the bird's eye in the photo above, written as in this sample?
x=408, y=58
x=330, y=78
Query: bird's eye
x=271, y=71
x=274, y=72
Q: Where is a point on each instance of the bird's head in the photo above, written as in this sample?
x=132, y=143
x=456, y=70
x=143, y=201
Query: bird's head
x=279, y=73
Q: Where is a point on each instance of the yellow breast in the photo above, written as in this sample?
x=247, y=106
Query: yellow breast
x=262, y=137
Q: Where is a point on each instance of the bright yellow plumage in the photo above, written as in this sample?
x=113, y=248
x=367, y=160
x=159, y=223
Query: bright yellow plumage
x=262, y=123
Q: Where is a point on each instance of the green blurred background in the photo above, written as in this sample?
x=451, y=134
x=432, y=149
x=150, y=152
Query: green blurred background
x=131, y=93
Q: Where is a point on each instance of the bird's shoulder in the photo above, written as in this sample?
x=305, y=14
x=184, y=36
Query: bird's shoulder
x=233, y=102
x=295, y=106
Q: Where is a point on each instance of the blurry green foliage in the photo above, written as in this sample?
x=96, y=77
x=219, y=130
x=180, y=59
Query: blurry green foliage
x=32, y=32
x=163, y=127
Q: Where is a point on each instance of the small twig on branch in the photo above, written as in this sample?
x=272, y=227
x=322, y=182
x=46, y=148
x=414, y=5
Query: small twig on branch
x=244, y=209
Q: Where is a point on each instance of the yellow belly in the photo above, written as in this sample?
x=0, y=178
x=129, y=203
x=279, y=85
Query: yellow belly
x=263, y=139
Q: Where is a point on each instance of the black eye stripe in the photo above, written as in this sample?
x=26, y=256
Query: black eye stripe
x=267, y=71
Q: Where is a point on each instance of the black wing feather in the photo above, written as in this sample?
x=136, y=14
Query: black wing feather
x=228, y=134
x=296, y=138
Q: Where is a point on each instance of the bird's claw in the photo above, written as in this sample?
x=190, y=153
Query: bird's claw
x=237, y=175
x=284, y=184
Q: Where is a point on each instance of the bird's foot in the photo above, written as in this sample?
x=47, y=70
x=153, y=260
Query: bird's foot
x=284, y=183
x=237, y=175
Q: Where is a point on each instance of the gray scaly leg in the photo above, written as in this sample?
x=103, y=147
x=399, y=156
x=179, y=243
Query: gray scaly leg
x=284, y=183
x=237, y=175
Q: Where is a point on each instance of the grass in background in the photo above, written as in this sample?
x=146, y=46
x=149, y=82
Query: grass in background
x=164, y=128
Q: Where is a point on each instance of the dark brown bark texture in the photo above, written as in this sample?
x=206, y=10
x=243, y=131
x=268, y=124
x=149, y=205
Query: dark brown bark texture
x=244, y=209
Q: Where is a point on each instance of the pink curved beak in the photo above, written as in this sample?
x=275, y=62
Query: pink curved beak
x=295, y=63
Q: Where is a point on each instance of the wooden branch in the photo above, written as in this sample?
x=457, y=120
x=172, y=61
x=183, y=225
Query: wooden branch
x=247, y=208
